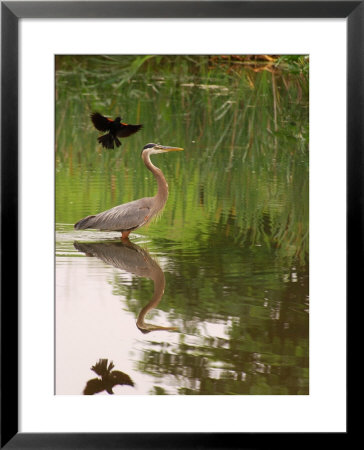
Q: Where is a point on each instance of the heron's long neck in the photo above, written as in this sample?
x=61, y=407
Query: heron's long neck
x=157, y=276
x=162, y=193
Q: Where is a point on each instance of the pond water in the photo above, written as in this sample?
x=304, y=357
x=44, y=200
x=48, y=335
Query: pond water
x=211, y=298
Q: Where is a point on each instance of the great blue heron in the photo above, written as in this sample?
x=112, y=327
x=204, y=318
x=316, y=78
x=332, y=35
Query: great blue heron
x=131, y=258
x=135, y=214
x=116, y=128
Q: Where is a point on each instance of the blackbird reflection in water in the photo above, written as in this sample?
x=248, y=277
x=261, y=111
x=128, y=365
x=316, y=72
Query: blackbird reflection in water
x=130, y=257
x=109, y=378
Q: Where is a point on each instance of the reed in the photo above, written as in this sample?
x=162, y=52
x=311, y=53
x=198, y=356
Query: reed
x=242, y=120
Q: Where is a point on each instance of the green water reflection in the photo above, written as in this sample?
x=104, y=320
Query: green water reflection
x=234, y=234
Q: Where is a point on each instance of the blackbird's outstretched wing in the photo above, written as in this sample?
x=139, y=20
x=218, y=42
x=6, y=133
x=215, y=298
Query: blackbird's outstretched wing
x=100, y=122
x=94, y=386
x=126, y=130
x=121, y=378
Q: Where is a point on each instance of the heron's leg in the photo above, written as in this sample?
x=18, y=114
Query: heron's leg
x=125, y=234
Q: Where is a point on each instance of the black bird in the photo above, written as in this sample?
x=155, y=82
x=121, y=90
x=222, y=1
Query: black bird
x=109, y=378
x=116, y=128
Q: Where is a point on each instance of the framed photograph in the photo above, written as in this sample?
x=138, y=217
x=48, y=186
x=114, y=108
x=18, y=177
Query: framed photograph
x=181, y=208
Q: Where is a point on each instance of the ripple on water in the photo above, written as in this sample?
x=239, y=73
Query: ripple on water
x=66, y=235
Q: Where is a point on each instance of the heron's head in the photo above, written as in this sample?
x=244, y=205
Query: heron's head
x=153, y=149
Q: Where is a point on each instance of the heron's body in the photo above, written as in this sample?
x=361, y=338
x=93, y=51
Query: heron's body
x=126, y=217
x=132, y=215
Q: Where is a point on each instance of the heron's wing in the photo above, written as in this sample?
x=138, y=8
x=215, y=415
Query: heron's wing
x=126, y=130
x=100, y=122
x=124, y=217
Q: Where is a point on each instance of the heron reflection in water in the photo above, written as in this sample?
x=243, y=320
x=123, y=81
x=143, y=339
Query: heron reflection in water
x=130, y=257
x=135, y=214
x=108, y=378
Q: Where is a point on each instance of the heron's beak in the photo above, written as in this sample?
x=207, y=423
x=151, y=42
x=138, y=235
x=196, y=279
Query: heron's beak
x=170, y=149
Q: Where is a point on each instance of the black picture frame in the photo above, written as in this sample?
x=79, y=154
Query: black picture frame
x=11, y=12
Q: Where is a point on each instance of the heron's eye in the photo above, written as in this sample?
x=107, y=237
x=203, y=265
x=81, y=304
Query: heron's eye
x=148, y=146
